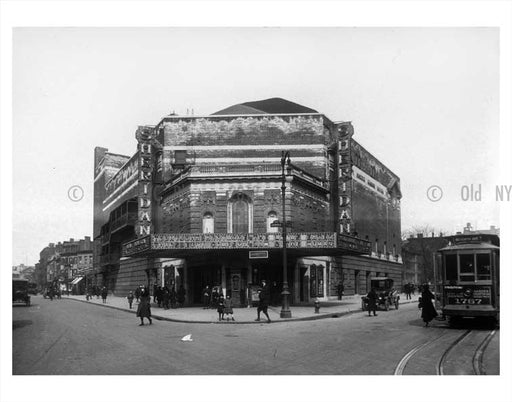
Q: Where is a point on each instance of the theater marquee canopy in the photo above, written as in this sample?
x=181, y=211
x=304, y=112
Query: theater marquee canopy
x=326, y=243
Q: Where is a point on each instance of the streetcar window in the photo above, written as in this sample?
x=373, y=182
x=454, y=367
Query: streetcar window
x=451, y=267
x=483, y=267
x=467, y=268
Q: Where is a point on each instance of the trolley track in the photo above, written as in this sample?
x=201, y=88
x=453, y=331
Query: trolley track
x=438, y=345
x=478, y=366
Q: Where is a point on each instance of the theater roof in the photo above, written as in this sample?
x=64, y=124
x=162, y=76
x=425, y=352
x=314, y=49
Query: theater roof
x=266, y=106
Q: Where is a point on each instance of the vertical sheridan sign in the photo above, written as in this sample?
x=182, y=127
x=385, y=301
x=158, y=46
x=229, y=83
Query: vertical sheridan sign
x=144, y=137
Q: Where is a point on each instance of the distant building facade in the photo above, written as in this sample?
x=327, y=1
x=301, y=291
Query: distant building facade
x=200, y=203
x=468, y=229
x=67, y=264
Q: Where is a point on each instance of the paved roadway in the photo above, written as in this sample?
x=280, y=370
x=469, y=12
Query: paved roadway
x=70, y=337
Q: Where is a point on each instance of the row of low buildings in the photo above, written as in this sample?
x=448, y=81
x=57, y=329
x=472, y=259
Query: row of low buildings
x=67, y=264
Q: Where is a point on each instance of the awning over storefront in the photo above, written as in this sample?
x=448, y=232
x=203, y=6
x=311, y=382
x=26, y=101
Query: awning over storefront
x=76, y=280
x=326, y=243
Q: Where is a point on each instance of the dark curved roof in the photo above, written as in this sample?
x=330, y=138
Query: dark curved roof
x=266, y=106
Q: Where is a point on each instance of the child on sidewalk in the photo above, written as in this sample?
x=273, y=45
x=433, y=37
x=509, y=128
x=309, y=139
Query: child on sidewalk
x=130, y=298
x=228, y=308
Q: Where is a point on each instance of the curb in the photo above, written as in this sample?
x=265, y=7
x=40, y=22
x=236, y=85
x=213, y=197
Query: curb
x=310, y=318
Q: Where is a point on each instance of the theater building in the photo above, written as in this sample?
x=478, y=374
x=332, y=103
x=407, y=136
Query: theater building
x=200, y=202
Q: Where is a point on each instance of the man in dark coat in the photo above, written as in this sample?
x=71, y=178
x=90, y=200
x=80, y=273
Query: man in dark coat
x=104, y=293
x=372, y=302
x=144, y=308
x=339, y=289
x=264, y=296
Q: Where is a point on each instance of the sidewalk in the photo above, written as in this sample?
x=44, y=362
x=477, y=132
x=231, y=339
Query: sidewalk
x=330, y=309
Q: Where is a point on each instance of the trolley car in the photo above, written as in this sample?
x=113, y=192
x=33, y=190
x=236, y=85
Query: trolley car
x=469, y=277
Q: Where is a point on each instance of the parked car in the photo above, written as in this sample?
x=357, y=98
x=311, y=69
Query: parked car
x=20, y=291
x=387, y=294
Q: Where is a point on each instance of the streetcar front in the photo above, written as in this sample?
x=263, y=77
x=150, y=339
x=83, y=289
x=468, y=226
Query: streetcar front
x=470, y=277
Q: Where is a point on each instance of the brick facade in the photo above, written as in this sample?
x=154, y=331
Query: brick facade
x=223, y=174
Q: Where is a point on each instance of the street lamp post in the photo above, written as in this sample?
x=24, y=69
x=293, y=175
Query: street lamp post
x=285, y=311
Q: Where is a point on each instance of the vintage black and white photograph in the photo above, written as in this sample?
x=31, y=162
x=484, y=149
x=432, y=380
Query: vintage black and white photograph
x=258, y=203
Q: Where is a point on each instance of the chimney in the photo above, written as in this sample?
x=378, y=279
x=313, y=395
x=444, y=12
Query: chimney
x=440, y=234
x=493, y=227
x=420, y=235
x=87, y=238
x=433, y=234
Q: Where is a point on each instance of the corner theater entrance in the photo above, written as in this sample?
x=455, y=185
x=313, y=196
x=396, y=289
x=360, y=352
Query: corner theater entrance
x=223, y=261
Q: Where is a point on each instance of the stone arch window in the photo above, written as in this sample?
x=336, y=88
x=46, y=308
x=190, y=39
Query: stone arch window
x=240, y=212
x=208, y=223
x=271, y=217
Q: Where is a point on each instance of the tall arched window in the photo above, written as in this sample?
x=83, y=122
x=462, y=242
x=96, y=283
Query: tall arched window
x=208, y=223
x=240, y=214
x=271, y=217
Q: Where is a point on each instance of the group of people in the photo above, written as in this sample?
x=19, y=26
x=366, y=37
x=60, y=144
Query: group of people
x=52, y=292
x=214, y=298
x=428, y=310
x=167, y=297
x=409, y=290
x=162, y=296
x=97, y=291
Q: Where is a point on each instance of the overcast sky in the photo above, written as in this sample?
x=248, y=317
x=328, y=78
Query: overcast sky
x=422, y=100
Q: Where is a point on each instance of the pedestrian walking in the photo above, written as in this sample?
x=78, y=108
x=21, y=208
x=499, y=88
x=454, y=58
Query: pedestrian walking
x=104, y=293
x=372, y=302
x=220, y=307
x=228, y=308
x=137, y=292
x=206, y=297
x=144, y=308
x=428, y=311
x=263, y=296
x=339, y=289
x=130, y=298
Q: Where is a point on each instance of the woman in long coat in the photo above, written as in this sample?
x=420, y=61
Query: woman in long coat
x=428, y=311
x=144, y=308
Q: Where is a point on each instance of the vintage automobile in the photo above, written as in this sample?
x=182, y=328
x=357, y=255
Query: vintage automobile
x=387, y=294
x=20, y=290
